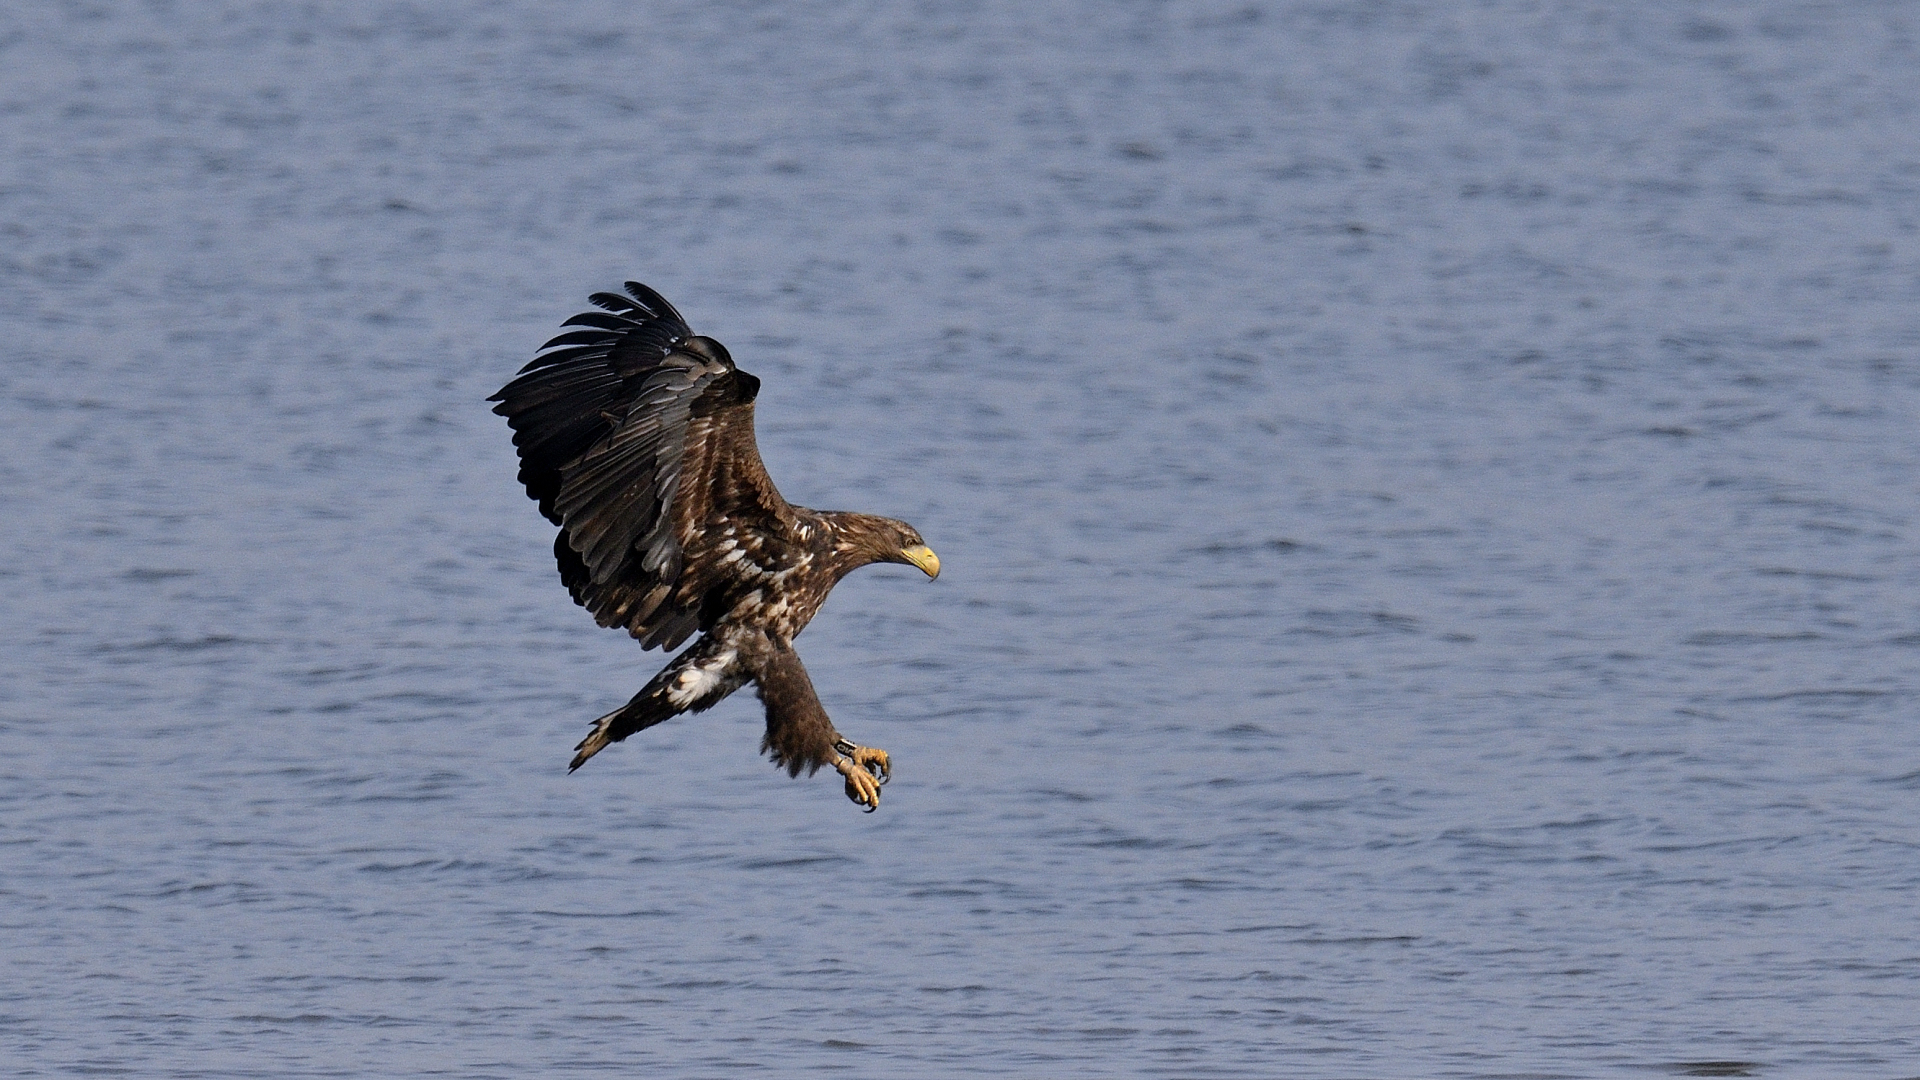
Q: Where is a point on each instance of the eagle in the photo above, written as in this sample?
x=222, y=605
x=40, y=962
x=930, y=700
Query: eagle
x=635, y=436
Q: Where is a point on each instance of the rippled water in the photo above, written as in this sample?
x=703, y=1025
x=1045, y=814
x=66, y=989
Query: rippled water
x=1427, y=494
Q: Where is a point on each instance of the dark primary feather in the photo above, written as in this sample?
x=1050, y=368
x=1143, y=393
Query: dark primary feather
x=636, y=438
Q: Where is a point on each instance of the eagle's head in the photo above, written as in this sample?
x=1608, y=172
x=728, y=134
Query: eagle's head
x=860, y=539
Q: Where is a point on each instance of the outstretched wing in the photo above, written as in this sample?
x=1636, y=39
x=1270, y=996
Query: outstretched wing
x=636, y=438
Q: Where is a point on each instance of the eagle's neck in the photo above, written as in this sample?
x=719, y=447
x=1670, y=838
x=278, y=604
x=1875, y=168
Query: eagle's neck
x=859, y=540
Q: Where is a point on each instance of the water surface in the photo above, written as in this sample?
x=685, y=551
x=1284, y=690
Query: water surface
x=1426, y=491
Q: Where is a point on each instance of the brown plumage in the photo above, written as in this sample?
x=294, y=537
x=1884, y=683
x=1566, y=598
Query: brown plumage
x=636, y=438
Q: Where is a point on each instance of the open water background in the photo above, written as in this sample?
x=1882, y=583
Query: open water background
x=1428, y=494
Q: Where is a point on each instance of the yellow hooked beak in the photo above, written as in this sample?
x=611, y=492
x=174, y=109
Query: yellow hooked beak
x=924, y=558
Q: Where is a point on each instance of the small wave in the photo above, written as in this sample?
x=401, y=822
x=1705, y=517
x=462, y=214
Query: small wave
x=1714, y=1068
x=1746, y=637
x=173, y=644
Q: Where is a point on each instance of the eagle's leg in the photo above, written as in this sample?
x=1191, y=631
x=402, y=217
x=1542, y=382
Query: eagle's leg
x=866, y=769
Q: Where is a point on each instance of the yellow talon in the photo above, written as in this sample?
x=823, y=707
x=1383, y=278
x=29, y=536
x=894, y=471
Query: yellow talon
x=866, y=768
x=875, y=761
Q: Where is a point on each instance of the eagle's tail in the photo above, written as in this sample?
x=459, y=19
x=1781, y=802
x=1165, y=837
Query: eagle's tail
x=695, y=681
x=644, y=711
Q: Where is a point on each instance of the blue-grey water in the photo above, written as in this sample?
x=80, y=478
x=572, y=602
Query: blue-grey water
x=1427, y=491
